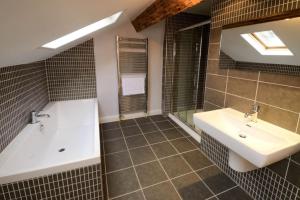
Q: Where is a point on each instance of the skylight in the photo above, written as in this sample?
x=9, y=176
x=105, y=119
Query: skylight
x=83, y=31
x=267, y=43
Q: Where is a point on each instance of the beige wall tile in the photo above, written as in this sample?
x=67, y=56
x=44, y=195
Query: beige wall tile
x=214, y=97
x=213, y=67
x=208, y=106
x=214, y=51
x=280, y=79
x=215, y=35
x=252, y=75
x=279, y=117
x=243, y=88
x=216, y=82
x=237, y=103
x=281, y=96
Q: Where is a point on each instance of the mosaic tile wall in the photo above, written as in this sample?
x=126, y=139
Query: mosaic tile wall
x=173, y=24
x=80, y=184
x=23, y=88
x=278, y=95
x=227, y=62
x=71, y=74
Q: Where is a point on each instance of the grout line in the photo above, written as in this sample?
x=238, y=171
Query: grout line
x=190, y=166
x=220, y=75
x=160, y=161
x=213, y=104
x=125, y=194
x=133, y=164
x=298, y=123
x=104, y=164
x=271, y=83
x=287, y=168
x=240, y=78
x=144, y=145
x=216, y=196
x=226, y=87
x=256, y=90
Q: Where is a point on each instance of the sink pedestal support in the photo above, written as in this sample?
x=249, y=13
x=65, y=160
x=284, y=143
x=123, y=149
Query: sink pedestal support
x=240, y=164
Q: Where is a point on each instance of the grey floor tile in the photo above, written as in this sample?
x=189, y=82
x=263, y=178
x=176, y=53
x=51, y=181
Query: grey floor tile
x=150, y=173
x=132, y=196
x=234, y=194
x=117, y=161
x=196, y=159
x=131, y=130
x=142, y=155
x=172, y=134
x=163, y=149
x=136, y=141
x=158, y=118
x=294, y=168
x=128, y=122
x=216, y=180
x=112, y=134
x=190, y=187
x=147, y=128
x=164, y=125
x=155, y=137
x=110, y=125
x=183, y=144
x=114, y=146
x=122, y=182
x=163, y=191
x=143, y=120
x=175, y=166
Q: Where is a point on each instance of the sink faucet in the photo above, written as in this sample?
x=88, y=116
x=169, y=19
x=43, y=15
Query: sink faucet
x=253, y=113
x=36, y=115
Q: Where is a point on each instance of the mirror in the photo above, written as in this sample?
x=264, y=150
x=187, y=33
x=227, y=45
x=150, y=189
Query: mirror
x=270, y=46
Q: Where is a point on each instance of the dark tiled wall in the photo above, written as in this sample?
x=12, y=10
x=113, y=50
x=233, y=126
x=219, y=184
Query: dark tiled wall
x=80, y=184
x=278, y=95
x=71, y=74
x=173, y=24
x=23, y=88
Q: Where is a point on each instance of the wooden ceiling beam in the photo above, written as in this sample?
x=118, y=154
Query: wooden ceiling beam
x=159, y=10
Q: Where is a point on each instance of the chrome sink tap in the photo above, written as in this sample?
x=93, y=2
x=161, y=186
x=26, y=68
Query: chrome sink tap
x=36, y=115
x=253, y=113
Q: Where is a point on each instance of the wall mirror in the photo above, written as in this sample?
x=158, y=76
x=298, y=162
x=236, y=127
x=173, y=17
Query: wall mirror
x=271, y=46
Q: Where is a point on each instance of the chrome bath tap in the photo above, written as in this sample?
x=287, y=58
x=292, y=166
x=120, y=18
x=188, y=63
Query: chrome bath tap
x=253, y=113
x=36, y=115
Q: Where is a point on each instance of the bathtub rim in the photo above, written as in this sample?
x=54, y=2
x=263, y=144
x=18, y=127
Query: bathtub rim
x=67, y=166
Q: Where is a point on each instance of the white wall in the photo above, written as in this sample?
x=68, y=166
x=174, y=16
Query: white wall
x=106, y=68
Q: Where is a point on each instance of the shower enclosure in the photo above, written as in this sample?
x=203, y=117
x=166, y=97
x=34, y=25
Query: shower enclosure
x=190, y=60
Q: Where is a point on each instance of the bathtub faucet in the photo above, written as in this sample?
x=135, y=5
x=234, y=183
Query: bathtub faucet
x=36, y=115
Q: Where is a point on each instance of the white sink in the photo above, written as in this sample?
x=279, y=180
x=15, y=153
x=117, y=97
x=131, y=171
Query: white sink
x=251, y=144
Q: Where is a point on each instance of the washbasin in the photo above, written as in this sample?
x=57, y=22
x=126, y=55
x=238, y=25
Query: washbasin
x=251, y=144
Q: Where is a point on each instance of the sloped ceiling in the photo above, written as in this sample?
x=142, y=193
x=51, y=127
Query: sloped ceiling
x=28, y=24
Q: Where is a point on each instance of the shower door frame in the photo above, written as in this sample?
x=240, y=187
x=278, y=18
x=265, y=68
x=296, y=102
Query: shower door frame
x=198, y=67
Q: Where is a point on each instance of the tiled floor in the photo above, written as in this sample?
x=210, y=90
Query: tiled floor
x=152, y=158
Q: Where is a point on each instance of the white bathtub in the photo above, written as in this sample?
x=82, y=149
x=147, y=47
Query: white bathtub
x=73, y=125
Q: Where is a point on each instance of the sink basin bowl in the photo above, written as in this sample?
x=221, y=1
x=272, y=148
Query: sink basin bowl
x=251, y=144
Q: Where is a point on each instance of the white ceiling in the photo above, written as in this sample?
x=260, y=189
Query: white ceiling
x=28, y=24
x=238, y=49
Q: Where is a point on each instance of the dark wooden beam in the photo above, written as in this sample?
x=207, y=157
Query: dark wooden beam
x=159, y=10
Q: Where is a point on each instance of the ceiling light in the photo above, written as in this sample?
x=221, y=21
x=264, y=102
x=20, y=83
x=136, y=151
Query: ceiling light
x=83, y=31
x=267, y=43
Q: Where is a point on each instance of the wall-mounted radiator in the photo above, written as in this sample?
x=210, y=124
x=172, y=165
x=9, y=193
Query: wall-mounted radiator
x=132, y=57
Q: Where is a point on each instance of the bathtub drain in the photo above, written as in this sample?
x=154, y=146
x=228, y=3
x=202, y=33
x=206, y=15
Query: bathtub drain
x=61, y=150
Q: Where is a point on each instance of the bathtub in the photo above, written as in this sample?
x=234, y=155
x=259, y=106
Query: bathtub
x=69, y=139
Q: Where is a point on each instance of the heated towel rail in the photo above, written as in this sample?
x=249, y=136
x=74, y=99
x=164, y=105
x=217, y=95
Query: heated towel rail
x=132, y=59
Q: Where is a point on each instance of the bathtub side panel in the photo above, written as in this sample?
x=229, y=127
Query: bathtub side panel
x=80, y=183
